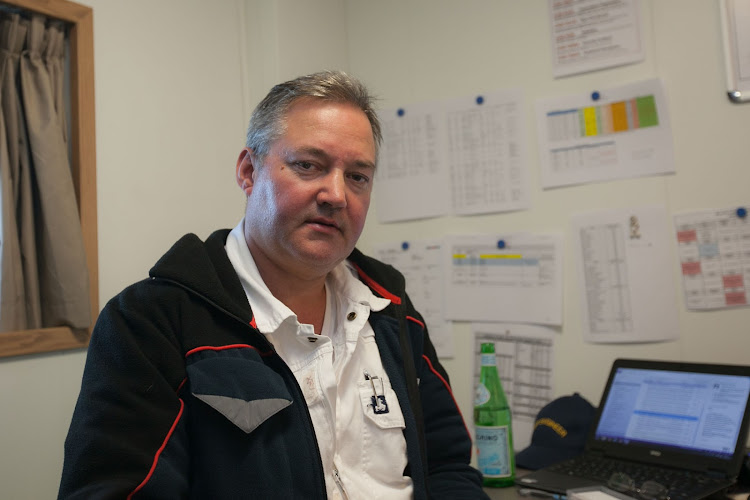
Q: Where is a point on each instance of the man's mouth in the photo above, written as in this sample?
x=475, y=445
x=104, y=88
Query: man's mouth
x=322, y=221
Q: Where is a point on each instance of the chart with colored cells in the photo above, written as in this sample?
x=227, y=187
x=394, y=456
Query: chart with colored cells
x=605, y=134
x=606, y=119
x=714, y=251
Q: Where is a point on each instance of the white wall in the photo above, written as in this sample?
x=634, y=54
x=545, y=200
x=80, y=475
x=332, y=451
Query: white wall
x=420, y=50
x=176, y=81
x=288, y=38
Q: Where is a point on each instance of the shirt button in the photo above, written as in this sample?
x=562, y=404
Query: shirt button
x=351, y=316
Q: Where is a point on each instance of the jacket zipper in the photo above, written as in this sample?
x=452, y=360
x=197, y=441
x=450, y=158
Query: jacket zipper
x=337, y=478
x=270, y=346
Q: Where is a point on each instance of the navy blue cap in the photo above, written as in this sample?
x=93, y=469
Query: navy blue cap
x=560, y=432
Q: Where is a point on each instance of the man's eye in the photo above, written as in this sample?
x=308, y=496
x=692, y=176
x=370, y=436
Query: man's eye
x=304, y=165
x=359, y=178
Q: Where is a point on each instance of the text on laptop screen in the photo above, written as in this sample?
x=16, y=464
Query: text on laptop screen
x=700, y=412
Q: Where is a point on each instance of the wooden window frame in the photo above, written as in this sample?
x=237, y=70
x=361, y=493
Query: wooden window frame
x=83, y=144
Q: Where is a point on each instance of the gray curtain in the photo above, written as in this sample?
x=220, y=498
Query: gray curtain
x=13, y=314
x=39, y=201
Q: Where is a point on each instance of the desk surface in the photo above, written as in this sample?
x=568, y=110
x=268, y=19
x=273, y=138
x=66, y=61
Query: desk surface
x=511, y=493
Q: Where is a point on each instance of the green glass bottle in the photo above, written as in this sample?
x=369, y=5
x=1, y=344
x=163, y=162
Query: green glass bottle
x=492, y=425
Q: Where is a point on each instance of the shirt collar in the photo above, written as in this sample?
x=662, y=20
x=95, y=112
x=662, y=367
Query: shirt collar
x=268, y=311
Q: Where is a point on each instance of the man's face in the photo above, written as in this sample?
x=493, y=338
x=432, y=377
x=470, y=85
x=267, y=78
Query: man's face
x=308, y=200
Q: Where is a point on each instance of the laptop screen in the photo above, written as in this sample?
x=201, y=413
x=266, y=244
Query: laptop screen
x=686, y=411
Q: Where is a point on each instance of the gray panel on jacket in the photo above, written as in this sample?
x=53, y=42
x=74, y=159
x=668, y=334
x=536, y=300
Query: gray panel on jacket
x=247, y=415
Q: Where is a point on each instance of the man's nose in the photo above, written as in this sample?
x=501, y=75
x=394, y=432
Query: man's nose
x=333, y=189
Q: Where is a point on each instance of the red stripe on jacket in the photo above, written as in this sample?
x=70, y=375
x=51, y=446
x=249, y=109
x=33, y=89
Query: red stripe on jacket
x=377, y=286
x=224, y=347
x=411, y=318
x=448, y=387
x=158, y=452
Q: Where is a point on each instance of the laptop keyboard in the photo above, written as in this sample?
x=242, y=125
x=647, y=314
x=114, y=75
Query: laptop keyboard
x=681, y=483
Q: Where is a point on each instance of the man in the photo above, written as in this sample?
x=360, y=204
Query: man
x=274, y=360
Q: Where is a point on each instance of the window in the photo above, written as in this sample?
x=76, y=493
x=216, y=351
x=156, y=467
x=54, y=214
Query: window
x=79, y=19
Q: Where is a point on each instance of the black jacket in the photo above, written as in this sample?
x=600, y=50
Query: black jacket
x=165, y=349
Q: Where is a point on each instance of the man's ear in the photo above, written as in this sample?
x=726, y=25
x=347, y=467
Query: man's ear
x=245, y=169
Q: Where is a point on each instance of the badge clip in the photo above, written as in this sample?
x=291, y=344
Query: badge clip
x=378, y=402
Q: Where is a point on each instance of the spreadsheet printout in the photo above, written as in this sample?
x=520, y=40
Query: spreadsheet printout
x=515, y=278
x=486, y=153
x=525, y=357
x=412, y=176
x=625, y=275
x=714, y=253
x=458, y=156
x=420, y=263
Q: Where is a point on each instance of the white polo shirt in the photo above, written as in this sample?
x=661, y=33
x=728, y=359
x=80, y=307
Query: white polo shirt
x=362, y=447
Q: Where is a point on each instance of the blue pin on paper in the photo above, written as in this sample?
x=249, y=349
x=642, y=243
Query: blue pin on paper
x=480, y=100
x=401, y=112
x=741, y=212
x=405, y=245
x=595, y=95
x=501, y=244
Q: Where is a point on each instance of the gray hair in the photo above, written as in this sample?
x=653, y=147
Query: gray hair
x=267, y=122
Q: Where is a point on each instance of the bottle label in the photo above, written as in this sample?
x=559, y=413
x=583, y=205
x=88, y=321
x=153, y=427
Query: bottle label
x=482, y=395
x=488, y=360
x=493, y=452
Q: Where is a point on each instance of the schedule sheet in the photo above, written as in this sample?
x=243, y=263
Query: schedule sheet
x=714, y=253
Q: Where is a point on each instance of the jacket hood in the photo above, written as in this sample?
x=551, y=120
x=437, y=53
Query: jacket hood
x=205, y=269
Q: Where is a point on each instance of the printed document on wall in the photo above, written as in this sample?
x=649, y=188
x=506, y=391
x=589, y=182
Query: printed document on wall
x=512, y=278
x=486, y=152
x=589, y=35
x=625, y=275
x=411, y=181
x=714, y=252
x=420, y=263
x=524, y=356
x=605, y=134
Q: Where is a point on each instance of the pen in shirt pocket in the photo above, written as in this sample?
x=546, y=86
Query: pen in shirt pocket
x=378, y=402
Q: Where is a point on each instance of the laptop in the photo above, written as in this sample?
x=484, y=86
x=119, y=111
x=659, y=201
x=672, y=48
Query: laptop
x=690, y=419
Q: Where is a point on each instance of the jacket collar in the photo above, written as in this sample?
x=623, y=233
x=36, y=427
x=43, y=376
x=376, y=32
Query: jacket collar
x=384, y=280
x=205, y=269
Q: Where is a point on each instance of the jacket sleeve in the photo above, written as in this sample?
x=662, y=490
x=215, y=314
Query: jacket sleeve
x=127, y=438
x=447, y=438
